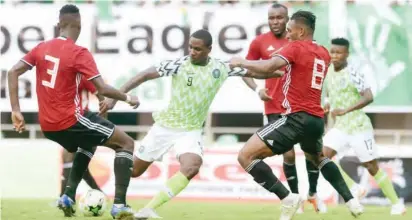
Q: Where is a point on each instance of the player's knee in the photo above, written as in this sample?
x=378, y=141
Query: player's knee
x=244, y=159
x=372, y=167
x=190, y=171
x=289, y=157
x=329, y=152
x=128, y=144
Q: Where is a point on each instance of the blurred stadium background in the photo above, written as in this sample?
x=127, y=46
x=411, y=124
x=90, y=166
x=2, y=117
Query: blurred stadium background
x=128, y=36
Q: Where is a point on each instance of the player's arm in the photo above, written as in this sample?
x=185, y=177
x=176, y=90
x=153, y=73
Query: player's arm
x=143, y=76
x=363, y=89
x=260, y=69
x=14, y=73
x=89, y=86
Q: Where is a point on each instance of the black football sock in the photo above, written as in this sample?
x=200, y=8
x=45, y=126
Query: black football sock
x=313, y=176
x=291, y=176
x=88, y=178
x=263, y=175
x=123, y=167
x=65, y=176
x=331, y=173
x=80, y=163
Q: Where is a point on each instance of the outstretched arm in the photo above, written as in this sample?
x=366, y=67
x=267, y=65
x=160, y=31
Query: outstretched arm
x=260, y=69
x=147, y=74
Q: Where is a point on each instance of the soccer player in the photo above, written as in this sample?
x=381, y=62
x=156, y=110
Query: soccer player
x=85, y=88
x=262, y=47
x=348, y=91
x=302, y=120
x=60, y=64
x=195, y=81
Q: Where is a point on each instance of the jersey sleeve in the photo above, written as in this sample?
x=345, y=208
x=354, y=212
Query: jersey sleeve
x=290, y=52
x=254, y=51
x=85, y=64
x=170, y=67
x=88, y=85
x=359, y=80
x=237, y=71
x=31, y=57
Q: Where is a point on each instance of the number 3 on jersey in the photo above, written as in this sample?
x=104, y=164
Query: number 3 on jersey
x=319, y=68
x=52, y=72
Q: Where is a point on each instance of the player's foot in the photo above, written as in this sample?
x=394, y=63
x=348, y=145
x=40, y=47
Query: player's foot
x=398, y=209
x=358, y=191
x=121, y=210
x=146, y=213
x=318, y=205
x=301, y=209
x=67, y=205
x=290, y=205
x=355, y=207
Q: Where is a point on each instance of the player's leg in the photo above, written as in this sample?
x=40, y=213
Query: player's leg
x=274, y=138
x=190, y=164
x=189, y=151
x=312, y=146
x=366, y=150
x=337, y=141
x=313, y=177
x=67, y=165
x=289, y=168
x=89, y=179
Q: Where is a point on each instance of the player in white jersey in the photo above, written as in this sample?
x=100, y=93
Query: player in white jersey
x=348, y=91
x=195, y=81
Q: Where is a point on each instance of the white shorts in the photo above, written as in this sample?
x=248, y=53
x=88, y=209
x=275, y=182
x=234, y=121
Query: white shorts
x=363, y=144
x=159, y=140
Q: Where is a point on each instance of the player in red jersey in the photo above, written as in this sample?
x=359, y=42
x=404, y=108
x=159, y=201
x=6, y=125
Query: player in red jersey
x=85, y=88
x=263, y=47
x=60, y=65
x=302, y=119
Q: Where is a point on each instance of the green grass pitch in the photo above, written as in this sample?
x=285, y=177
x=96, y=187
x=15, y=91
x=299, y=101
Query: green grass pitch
x=21, y=209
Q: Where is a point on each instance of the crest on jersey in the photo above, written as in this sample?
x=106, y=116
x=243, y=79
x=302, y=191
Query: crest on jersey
x=216, y=73
x=343, y=83
x=141, y=149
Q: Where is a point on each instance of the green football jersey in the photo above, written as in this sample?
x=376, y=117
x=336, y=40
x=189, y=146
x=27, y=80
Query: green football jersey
x=343, y=89
x=193, y=90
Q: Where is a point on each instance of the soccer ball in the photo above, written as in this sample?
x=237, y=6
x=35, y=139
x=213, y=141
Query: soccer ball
x=92, y=203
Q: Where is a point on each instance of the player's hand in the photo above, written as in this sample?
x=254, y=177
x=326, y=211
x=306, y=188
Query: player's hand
x=326, y=108
x=338, y=112
x=106, y=105
x=264, y=95
x=235, y=62
x=134, y=101
x=18, y=122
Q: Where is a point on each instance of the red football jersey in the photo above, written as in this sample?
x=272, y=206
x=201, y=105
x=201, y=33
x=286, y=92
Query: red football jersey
x=60, y=65
x=262, y=47
x=85, y=88
x=302, y=83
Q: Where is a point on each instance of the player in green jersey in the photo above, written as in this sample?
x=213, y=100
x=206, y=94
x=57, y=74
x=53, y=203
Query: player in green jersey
x=348, y=91
x=195, y=81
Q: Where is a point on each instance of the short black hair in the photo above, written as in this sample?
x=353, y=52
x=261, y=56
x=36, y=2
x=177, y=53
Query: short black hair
x=341, y=42
x=69, y=9
x=305, y=17
x=203, y=35
x=277, y=5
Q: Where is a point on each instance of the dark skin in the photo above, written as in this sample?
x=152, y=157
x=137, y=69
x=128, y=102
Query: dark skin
x=70, y=27
x=339, y=55
x=277, y=20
